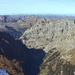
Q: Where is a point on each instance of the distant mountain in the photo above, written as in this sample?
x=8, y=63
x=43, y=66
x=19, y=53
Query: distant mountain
x=20, y=23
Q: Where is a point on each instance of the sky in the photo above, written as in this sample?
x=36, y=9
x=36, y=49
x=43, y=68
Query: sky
x=55, y=7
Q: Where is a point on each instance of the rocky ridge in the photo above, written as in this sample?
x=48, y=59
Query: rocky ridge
x=48, y=35
x=20, y=23
x=56, y=38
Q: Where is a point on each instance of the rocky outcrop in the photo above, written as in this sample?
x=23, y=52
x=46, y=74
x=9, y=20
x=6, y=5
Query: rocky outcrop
x=48, y=35
x=57, y=40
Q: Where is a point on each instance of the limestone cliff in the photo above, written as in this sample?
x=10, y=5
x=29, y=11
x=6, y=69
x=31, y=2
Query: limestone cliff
x=57, y=39
x=48, y=35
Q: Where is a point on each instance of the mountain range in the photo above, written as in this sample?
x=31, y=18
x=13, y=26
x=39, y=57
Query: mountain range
x=37, y=44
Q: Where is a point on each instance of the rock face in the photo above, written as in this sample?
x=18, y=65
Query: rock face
x=48, y=35
x=57, y=40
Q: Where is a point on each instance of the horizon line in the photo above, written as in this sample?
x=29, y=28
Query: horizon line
x=39, y=14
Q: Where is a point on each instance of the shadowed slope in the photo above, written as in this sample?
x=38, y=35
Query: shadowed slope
x=17, y=58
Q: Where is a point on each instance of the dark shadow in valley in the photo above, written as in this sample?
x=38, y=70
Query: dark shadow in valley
x=33, y=61
x=16, y=34
x=12, y=49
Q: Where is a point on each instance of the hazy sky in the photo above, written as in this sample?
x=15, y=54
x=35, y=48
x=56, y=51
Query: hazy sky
x=37, y=7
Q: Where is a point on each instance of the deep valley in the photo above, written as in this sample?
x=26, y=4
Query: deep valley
x=37, y=44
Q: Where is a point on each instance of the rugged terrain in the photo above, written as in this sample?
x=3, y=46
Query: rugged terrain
x=48, y=35
x=12, y=54
x=51, y=34
x=58, y=64
x=16, y=58
x=56, y=38
x=17, y=24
